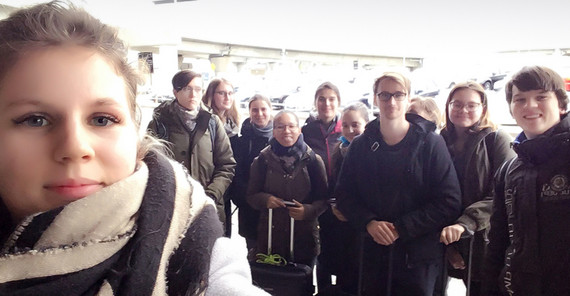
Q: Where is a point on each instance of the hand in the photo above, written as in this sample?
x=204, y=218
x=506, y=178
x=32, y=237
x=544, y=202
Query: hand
x=338, y=214
x=451, y=233
x=298, y=212
x=274, y=202
x=383, y=233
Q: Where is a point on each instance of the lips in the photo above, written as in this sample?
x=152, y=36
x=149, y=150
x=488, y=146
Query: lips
x=533, y=116
x=74, y=189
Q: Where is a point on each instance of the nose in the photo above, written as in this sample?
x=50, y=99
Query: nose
x=73, y=143
x=351, y=129
x=531, y=102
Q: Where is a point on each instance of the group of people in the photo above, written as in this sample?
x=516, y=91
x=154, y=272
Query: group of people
x=382, y=204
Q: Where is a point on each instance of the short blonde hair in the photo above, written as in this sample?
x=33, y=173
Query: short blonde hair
x=395, y=76
x=429, y=106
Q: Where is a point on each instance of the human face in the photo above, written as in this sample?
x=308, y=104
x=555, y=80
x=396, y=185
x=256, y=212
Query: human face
x=535, y=111
x=259, y=113
x=189, y=97
x=392, y=109
x=223, y=97
x=66, y=130
x=327, y=104
x=352, y=124
x=415, y=109
x=463, y=118
x=286, y=130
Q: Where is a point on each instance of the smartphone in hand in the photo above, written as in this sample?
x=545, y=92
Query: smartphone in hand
x=290, y=204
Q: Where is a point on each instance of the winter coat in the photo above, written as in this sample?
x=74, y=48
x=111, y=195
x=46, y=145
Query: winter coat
x=246, y=148
x=485, y=152
x=538, y=176
x=268, y=178
x=339, y=239
x=429, y=197
x=211, y=161
x=322, y=141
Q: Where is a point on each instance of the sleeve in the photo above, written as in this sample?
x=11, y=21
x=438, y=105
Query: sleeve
x=498, y=239
x=238, y=188
x=152, y=127
x=477, y=215
x=443, y=190
x=318, y=175
x=349, y=199
x=256, y=198
x=224, y=163
x=229, y=270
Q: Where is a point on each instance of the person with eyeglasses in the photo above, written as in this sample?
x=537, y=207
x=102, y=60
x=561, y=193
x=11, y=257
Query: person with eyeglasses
x=219, y=97
x=477, y=149
x=528, y=251
x=397, y=185
x=288, y=171
x=196, y=137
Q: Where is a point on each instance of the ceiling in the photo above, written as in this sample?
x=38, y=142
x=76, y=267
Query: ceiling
x=409, y=28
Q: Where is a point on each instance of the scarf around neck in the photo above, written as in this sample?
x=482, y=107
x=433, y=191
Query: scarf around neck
x=265, y=132
x=131, y=237
x=289, y=156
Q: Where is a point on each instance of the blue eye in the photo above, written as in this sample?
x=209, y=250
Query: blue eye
x=36, y=121
x=103, y=120
x=32, y=121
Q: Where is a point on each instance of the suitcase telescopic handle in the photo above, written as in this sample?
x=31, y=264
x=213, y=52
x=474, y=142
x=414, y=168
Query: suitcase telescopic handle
x=270, y=233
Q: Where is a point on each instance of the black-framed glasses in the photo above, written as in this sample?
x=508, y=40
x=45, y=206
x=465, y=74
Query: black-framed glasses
x=386, y=96
x=458, y=106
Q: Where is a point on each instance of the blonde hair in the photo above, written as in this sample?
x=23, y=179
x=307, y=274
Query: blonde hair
x=429, y=106
x=395, y=76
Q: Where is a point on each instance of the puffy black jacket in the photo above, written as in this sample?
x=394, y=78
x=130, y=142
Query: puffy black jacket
x=513, y=263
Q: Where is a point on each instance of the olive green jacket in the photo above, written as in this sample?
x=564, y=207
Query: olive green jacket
x=211, y=161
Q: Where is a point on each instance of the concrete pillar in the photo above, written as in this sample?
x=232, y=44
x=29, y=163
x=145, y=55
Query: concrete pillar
x=165, y=66
x=224, y=65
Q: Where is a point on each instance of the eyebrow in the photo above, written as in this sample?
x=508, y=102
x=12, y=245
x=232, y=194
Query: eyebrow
x=35, y=102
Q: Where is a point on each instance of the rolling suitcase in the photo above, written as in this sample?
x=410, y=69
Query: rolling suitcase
x=470, y=236
x=291, y=279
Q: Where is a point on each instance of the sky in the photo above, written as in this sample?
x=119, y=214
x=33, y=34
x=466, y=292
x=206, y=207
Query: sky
x=409, y=28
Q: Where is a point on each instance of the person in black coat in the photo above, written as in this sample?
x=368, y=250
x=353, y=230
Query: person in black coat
x=528, y=250
x=255, y=134
x=398, y=184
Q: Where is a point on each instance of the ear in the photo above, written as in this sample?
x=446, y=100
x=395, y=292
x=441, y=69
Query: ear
x=174, y=92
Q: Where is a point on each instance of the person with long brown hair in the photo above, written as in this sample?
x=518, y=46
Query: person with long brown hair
x=477, y=149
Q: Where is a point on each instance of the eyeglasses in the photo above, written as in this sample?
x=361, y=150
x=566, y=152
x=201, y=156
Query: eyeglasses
x=188, y=88
x=458, y=106
x=386, y=96
x=282, y=127
x=223, y=93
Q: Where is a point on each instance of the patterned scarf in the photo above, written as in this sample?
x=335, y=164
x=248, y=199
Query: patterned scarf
x=149, y=234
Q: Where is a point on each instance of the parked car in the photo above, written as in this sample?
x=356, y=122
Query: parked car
x=488, y=83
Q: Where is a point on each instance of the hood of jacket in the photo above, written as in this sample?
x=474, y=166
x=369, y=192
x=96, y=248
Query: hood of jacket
x=372, y=129
x=553, y=143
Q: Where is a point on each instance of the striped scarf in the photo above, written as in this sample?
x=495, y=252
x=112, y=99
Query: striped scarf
x=149, y=234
